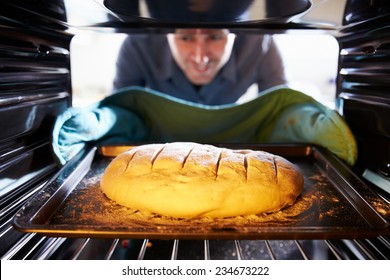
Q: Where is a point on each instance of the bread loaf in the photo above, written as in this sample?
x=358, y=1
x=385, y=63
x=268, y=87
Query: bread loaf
x=187, y=180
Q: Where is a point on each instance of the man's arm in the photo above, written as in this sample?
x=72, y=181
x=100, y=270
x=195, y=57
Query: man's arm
x=271, y=68
x=276, y=65
x=258, y=56
x=128, y=66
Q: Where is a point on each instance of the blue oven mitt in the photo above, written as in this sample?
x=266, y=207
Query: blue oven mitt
x=137, y=114
x=76, y=127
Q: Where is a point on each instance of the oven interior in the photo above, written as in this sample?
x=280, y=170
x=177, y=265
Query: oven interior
x=38, y=81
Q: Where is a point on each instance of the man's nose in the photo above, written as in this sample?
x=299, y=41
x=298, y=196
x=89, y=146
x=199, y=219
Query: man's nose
x=201, y=51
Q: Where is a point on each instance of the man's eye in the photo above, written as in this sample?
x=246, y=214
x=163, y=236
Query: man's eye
x=186, y=38
x=216, y=37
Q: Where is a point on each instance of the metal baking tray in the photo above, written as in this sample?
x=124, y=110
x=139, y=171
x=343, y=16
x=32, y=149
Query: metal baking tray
x=334, y=203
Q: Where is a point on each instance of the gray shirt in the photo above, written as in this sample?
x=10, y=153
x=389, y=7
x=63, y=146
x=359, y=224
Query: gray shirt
x=146, y=60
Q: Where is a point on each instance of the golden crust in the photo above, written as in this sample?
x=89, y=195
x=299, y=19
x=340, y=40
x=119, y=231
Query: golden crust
x=186, y=180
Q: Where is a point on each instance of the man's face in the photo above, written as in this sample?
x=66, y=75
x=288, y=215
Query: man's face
x=201, y=53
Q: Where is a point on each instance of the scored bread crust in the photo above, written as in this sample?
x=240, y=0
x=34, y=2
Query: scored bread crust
x=188, y=180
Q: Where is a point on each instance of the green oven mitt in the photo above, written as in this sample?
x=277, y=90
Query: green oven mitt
x=317, y=124
x=137, y=114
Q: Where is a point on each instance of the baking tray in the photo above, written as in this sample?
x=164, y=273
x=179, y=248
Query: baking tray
x=334, y=204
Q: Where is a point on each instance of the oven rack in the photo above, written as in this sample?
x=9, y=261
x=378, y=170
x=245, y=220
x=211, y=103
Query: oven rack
x=34, y=246
x=26, y=246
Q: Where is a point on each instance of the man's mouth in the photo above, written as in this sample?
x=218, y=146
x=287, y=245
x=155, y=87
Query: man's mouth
x=200, y=73
x=201, y=67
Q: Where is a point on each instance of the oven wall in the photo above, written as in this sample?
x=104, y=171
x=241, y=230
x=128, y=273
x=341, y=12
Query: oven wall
x=34, y=89
x=363, y=90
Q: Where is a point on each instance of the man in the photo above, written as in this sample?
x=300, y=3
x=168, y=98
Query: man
x=211, y=67
x=206, y=66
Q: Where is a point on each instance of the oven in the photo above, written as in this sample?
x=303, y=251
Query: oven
x=36, y=86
